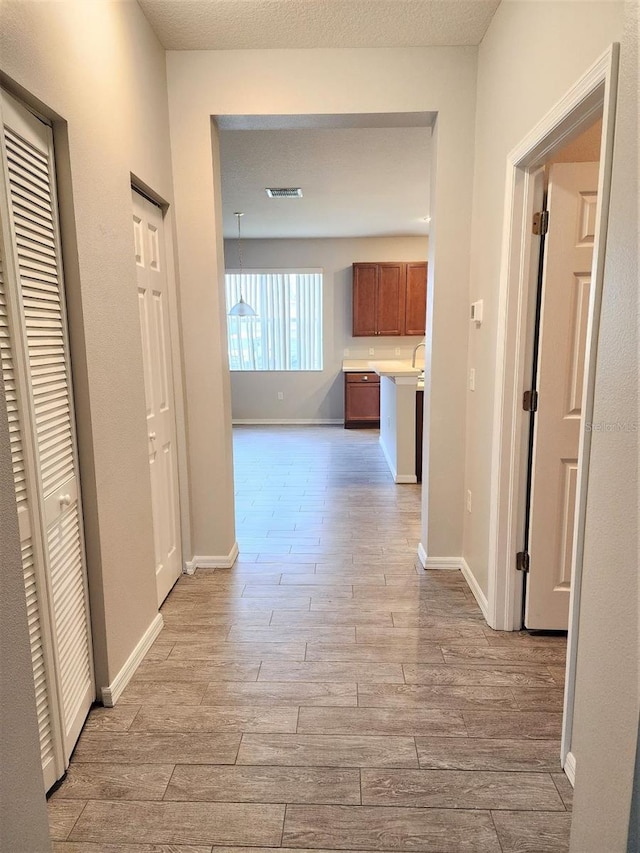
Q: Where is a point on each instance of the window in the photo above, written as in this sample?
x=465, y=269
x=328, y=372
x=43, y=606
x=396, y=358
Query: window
x=286, y=333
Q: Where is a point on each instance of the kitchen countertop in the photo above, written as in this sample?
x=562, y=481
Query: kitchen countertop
x=355, y=366
x=389, y=367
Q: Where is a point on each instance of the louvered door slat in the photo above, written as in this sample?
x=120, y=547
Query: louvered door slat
x=68, y=597
x=37, y=655
x=36, y=250
x=27, y=152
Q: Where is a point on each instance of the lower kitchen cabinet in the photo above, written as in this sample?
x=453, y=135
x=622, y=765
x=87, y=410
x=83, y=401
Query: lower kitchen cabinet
x=361, y=400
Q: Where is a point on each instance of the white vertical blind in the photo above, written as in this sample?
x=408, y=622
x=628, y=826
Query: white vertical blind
x=286, y=334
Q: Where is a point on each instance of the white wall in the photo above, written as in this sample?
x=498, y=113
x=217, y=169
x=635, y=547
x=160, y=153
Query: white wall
x=290, y=82
x=318, y=395
x=99, y=71
x=607, y=698
x=560, y=40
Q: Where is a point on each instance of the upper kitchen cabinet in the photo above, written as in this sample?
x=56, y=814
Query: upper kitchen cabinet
x=415, y=313
x=389, y=299
x=365, y=299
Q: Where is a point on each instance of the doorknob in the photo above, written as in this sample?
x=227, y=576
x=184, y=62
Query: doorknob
x=65, y=500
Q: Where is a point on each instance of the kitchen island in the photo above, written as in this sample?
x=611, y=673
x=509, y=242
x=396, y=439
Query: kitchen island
x=399, y=383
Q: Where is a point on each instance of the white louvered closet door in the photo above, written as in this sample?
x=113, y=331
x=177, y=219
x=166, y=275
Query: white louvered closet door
x=36, y=373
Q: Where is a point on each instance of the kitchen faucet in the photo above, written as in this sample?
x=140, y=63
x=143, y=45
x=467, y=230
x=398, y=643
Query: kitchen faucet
x=415, y=352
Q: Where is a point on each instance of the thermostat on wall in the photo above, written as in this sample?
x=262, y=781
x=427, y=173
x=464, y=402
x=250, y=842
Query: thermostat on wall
x=476, y=312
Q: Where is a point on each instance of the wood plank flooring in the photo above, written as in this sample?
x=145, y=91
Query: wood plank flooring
x=326, y=693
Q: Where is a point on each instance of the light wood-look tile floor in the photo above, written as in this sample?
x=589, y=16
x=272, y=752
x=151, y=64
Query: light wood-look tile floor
x=325, y=693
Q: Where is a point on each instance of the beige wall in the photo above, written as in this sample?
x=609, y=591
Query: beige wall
x=318, y=395
x=607, y=702
x=560, y=40
x=98, y=69
x=23, y=815
x=285, y=82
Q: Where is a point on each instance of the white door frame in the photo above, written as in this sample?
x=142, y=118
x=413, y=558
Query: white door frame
x=592, y=95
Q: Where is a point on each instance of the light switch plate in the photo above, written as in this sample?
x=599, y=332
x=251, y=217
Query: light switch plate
x=476, y=312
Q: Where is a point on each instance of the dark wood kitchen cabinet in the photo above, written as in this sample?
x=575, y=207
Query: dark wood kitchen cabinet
x=415, y=313
x=389, y=299
x=361, y=400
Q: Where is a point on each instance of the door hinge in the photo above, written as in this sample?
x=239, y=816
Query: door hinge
x=530, y=401
x=541, y=222
x=522, y=561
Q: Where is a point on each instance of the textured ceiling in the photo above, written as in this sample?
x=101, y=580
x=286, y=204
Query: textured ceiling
x=257, y=24
x=357, y=182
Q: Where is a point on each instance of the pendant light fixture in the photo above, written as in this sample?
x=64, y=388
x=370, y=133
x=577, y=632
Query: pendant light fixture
x=241, y=308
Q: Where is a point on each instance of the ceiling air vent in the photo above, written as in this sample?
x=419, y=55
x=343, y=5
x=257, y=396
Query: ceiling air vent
x=283, y=192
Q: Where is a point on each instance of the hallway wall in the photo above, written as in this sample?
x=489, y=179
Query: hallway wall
x=290, y=82
x=98, y=70
x=607, y=689
x=560, y=39
x=318, y=394
x=569, y=36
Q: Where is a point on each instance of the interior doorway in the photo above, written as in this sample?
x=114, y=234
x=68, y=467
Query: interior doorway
x=153, y=303
x=592, y=98
x=554, y=397
x=35, y=368
x=306, y=356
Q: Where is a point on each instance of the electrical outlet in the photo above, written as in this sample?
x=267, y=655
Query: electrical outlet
x=398, y=350
x=345, y=352
x=371, y=351
x=468, y=500
x=472, y=379
x=280, y=395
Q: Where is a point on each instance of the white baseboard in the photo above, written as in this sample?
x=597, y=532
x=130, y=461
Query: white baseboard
x=474, y=586
x=112, y=693
x=392, y=467
x=459, y=563
x=570, y=768
x=443, y=563
x=223, y=562
x=287, y=421
x=397, y=478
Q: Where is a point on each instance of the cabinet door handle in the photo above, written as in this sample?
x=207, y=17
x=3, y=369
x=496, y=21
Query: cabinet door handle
x=365, y=378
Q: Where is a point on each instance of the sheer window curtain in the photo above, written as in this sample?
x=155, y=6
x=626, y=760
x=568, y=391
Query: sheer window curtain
x=286, y=334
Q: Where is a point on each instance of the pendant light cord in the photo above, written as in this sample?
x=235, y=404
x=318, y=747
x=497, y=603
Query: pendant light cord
x=238, y=215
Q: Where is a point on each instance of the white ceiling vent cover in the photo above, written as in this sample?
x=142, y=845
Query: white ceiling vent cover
x=284, y=192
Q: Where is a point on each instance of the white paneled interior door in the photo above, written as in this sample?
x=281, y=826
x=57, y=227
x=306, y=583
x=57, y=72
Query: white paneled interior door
x=37, y=380
x=572, y=199
x=153, y=304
